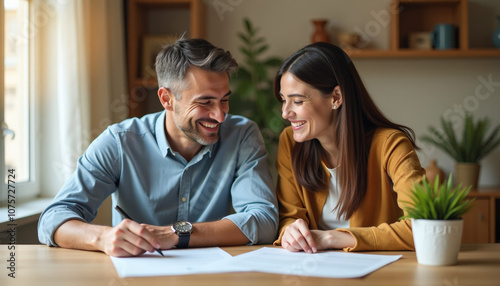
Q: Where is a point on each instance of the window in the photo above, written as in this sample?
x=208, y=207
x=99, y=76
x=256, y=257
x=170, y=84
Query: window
x=16, y=100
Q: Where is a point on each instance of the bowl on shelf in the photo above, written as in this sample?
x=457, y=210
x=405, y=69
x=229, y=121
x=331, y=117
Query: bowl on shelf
x=348, y=39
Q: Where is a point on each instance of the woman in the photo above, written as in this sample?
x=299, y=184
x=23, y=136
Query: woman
x=344, y=168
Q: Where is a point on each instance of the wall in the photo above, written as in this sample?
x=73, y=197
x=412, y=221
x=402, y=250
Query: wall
x=25, y=234
x=414, y=92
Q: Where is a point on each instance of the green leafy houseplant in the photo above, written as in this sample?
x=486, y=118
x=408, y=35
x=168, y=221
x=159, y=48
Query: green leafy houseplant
x=436, y=212
x=437, y=201
x=474, y=144
x=253, y=86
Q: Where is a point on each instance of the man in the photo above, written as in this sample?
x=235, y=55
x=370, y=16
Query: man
x=190, y=163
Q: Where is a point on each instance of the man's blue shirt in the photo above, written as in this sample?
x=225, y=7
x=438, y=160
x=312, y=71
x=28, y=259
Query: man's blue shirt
x=132, y=161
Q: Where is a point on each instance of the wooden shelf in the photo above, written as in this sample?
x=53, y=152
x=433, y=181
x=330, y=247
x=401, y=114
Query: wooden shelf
x=412, y=16
x=408, y=53
x=156, y=18
x=482, y=223
x=147, y=82
x=424, y=15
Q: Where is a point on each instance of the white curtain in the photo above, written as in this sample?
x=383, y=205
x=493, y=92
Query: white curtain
x=73, y=79
x=80, y=79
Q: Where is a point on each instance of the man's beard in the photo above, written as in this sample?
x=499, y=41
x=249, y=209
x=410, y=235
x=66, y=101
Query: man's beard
x=192, y=132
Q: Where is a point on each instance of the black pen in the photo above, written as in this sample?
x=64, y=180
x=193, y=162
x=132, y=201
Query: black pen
x=125, y=215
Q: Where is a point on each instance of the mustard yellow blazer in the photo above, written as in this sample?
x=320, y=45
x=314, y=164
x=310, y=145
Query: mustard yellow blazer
x=393, y=166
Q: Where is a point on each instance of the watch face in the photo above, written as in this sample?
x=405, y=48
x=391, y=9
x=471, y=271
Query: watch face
x=183, y=226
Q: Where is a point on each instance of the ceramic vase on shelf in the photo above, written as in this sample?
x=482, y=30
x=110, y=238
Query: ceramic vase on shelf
x=432, y=171
x=467, y=174
x=496, y=35
x=320, y=34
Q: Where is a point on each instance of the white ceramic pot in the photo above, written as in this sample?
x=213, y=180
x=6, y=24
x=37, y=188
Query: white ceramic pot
x=437, y=242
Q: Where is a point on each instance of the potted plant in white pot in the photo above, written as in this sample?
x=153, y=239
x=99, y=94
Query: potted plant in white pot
x=474, y=145
x=436, y=212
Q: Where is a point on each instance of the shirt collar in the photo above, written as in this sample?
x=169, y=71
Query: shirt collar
x=161, y=139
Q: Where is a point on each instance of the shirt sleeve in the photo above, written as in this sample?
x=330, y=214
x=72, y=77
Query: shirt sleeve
x=290, y=203
x=94, y=179
x=403, y=168
x=253, y=197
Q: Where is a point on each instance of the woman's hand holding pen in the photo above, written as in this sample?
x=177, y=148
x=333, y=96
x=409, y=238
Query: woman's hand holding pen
x=128, y=238
x=298, y=237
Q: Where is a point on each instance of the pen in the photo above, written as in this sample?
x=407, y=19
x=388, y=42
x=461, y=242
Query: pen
x=125, y=215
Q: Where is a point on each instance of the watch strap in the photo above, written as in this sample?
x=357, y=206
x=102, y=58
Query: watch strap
x=183, y=240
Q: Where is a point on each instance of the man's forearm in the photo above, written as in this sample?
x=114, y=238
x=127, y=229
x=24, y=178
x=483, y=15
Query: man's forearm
x=128, y=238
x=205, y=234
x=79, y=235
x=218, y=233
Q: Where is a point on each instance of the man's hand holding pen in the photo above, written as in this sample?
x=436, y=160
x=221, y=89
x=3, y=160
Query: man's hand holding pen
x=128, y=238
x=168, y=239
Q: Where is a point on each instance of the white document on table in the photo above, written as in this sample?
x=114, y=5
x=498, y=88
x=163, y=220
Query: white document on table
x=175, y=262
x=326, y=264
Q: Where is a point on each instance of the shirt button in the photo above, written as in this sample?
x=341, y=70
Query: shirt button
x=183, y=199
x=187, y=168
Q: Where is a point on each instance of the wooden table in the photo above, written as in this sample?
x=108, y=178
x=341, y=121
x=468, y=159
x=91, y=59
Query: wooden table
x=479, y=264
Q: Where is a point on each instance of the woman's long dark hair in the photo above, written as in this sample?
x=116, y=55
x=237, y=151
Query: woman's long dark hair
x=324, y=66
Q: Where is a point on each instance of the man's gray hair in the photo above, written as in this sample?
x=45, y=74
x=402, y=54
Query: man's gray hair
x=174, y=60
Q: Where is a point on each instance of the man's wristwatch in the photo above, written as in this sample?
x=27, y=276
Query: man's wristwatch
x=183, y=229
